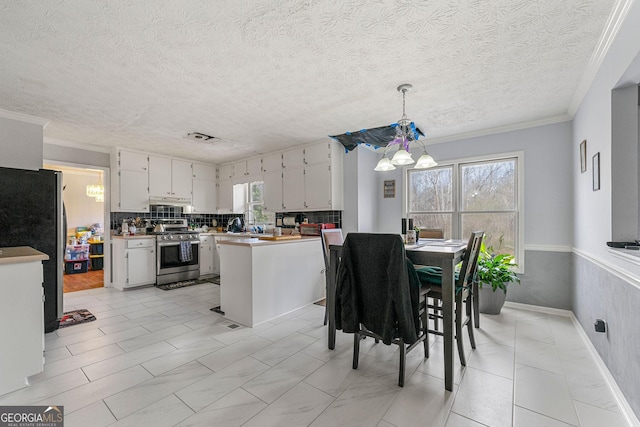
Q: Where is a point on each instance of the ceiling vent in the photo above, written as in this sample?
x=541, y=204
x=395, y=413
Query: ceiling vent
x=197, y=136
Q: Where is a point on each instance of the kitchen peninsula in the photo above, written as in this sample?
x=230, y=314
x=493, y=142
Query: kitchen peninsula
x=262, y=279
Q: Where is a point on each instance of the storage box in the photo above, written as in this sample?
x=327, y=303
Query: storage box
x=97, y=263
x=73, y=267
x=77, y=252
x=96, y=248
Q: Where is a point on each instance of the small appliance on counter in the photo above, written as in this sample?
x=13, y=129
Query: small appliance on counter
x=235, y=225
x=314, y=229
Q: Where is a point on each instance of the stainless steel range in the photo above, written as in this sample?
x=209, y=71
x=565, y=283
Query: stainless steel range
x=177, y=252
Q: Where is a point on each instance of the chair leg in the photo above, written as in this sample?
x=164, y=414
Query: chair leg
x=325, y=315
x=476, y=304
x=425, y=328
x=468, y=303
x=436, y=303
x=458, y=326
x=356, y=349
x=403, y=354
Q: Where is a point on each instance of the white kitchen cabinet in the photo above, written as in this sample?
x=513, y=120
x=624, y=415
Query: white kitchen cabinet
x=204, y=198
x=272, y=163
x=293, y=189
x=318, y=153
x=272, y=191
x=207, y=248
x=169, y=177
x=225, y=196
x=134, y=262
x=21, y=304
x=293, y=158
x=317, y=186
x=129, y=182
x=247, y=170
x=225, y=172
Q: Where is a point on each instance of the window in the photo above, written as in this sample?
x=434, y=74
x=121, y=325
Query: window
x=470, y=195
x=248, y=198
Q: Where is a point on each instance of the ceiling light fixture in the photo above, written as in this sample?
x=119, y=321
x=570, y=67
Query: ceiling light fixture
x=96, y=190
x=406, y=133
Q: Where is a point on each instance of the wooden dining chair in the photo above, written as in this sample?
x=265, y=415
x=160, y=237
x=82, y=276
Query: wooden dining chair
x=378, y=295
x=432, y=277
x=330, y=236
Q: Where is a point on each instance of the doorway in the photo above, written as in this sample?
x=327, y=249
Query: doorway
x=87, y=217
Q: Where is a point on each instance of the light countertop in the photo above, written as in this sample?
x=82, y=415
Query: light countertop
x=254, y=241
x=18, y=254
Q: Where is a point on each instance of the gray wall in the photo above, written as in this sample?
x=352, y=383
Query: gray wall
x=20, y=144
x=63, y=154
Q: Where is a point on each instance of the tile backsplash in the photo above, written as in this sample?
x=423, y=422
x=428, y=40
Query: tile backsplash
x=159, y=212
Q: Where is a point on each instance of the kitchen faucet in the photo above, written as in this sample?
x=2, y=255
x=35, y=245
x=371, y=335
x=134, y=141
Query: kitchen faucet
x=247, y=222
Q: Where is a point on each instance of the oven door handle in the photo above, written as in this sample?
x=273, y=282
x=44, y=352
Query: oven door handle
x=177, y=243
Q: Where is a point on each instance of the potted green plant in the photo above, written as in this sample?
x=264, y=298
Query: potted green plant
x=495, y=271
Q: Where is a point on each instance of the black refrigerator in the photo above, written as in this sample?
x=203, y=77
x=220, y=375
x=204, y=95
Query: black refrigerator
x=31, y=214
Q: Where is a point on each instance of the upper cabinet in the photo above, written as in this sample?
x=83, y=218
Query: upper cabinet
x=272, y=162
x=204, y=189
x=247, y=170
x=293, y=158
x=169, y=177
x=318, y=153
x=225, y=171
x=129, y=181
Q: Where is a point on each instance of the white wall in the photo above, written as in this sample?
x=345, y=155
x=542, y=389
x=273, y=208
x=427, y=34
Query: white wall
x=548, y=162
x=82, y=210
x=20, y=143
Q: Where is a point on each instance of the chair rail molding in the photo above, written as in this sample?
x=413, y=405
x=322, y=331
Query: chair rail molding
x=614, y=269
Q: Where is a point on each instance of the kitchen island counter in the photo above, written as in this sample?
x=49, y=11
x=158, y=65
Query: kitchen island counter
x=261, y=280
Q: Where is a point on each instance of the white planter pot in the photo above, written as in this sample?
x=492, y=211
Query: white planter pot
x=491, y=302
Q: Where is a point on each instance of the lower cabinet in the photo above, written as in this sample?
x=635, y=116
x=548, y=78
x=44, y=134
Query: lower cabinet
x=207, y=252
x=134, y=262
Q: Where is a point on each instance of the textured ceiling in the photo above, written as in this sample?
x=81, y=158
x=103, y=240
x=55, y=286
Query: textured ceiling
x=263, y=75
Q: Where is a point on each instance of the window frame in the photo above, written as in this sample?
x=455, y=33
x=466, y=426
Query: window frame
x=456, y=215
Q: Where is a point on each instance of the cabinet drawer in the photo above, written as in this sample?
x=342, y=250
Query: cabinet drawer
x=140, y=243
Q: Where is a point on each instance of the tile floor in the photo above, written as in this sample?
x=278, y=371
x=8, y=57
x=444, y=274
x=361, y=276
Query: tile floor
x=156, y=358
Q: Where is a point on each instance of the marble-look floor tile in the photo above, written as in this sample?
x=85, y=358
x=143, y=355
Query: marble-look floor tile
x=84, y=359
x=166, y=412
x=105, y=340
x=485, y=398
x=538, y=355
x=94, y=415
x=179, y=357
x=126, y=360
x=362, y=404
x=422, y=398
x=273, y=383
x=153, y=337
x=44, y=387
x=281, y=330
x=544, y=392
x=92, y=392
x=232, y=410
x=141, y=395
x=588, y=386
x=211, y=388
x=493, y=358
x=590, y=416
x=53, y=341
x=525, y=418
x=456, y=420
x=336, y=375
x=298, y=407
x=280, y=350
x=224, y=357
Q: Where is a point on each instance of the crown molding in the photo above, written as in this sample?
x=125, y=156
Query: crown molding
x=12, y=115
x=611, y=29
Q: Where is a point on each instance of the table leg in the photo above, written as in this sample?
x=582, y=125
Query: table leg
x=332, y=276
x=447, y=321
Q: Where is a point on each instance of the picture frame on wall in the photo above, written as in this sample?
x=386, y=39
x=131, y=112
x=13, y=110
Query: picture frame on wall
x=390, y=189
x=583, y=156
x=596, y=171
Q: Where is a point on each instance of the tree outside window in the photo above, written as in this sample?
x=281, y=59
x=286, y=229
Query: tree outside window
x=467, y=196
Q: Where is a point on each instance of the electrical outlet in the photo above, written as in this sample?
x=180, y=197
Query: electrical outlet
x=600, y=325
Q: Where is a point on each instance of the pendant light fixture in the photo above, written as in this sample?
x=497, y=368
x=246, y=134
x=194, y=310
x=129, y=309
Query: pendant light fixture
x=406, y=133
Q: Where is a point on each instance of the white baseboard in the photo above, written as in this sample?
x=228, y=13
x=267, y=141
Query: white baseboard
x=627, y=412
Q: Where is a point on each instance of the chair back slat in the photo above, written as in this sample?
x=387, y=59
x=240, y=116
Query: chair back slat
x=431, y=233
x=332, y=236
x=470, y=259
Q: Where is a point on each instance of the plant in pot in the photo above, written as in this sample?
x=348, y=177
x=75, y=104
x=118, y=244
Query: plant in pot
x=495, y=271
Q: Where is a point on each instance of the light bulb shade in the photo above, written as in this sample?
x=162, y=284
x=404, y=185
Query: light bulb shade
x=384, y=165
x=100, y=198
x=425, y=161
x=94, y=190
x=402, y=157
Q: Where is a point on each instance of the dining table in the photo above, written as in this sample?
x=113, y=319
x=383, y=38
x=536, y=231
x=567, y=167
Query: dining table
x=435, y=252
